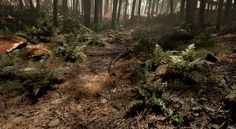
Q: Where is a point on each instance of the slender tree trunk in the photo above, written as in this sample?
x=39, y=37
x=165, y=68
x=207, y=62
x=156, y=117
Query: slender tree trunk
x=182, y=9
x=87, y=12
x=219, y=14
x=21, y=4
x=162, y=7
x=96, y=14
x=149, y=8
x=228, y=11
x=171, y=3
x=153, y=7
x=126, y=8
x=55, y=21
x=234, y=11
x=202, y=12
x=31, y=4
x=100, y=9
x=133, y=9
x=119, y=10
x=106, y=7
x=157, y=7
x=139, y=8
x=189, y=14
x=114, y=12
x=64, y=9
x=38, y=4
x=77, y=8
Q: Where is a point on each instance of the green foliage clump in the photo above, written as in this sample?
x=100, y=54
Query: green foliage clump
x=171, y=70
x=71, y=49
x=5, y=61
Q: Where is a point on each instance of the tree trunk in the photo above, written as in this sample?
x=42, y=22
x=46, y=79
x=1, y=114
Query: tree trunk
x=133, y=9
x=189, y=14
x=219, y=14
x=21, y=4
x=234, y=11
x=55, y=21
x=64, y=9
x=149, y=9
x=153, y=7
x=171, y=3
x=114, y=12
x=38, y=4
x=139, y=8
x=87, y=12
x=182, y=9
x=126, y=8
x=106, y=7
x=100, y=9
x=96, y=14
x=228, y=12
x=202, y=12
x=157, y=7
x=31, y=4
x=119, y=10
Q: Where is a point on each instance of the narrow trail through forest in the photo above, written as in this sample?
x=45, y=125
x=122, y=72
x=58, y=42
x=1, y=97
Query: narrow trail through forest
x=90, y=97
x=88, y=94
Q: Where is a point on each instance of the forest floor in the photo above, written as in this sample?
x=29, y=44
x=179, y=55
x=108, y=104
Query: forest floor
x=91, y=98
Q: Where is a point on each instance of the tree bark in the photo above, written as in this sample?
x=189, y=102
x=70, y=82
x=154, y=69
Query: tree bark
x=157, y=7
x=114, y=12
x=182, y=9
x=153, y=7
x=31, y=4
x=133, y=9
x=106, y=7
x=234, y=11
x=21, y=4
x=96, y=14
x=139, y=8
x=190, y=12
x=219, y=14
x=119, y=10
x=126, y=8
x=202, y=13
x=87, y=12
x=55, y=21
x=38, y=4
x=64, y=9
x=228, y=12
x=171, y=3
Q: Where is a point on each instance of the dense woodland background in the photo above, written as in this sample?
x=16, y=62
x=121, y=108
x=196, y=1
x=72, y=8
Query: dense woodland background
x=132, y=64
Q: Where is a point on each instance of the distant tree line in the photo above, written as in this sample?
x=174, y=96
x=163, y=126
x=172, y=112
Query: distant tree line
x=192, y=12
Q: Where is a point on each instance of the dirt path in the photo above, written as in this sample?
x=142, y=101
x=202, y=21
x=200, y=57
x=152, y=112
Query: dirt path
x=88, y=98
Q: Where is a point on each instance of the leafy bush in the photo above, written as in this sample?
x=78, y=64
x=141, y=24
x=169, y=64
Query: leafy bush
x=172, y=69
x=71, y=50
x=5, y=61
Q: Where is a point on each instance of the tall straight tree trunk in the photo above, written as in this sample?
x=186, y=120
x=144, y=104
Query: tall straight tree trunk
x=77, y=13
x=101, y=9
x=189, y=14
x=114, y=12
x=64, y=9
x=234, y=11
x=126, y=8
x=219, y=14
x=153, y=7
x=149, y=8
x=106, y=7
x=96, y=14
x=55, y=21
x=182, y=9
x=133, y=9
x=31, y=4
x=119, y=10
x=38, y=4
x=171, y=3
x=162, y=7
x=228, y=11
x=157, y=7
x=139, y=8
x=202, y=12
x=21, y=4
x=87, y=12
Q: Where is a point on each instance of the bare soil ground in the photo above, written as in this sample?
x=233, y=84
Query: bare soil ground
x=91, y=98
